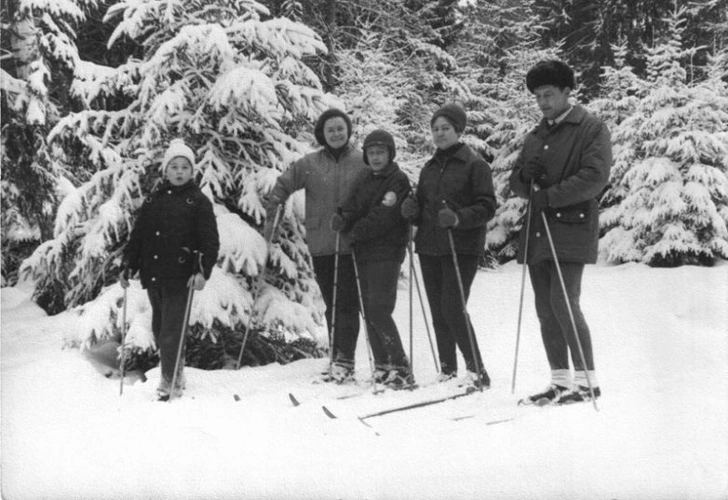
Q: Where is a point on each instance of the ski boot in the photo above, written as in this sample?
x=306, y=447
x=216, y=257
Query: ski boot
x=551, y=395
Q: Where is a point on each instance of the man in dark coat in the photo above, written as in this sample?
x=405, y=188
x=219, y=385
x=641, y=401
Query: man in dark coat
x=563, y=167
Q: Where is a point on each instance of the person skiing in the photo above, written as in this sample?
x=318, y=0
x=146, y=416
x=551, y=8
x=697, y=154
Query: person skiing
x=379, y=234
x=327, y=176
x=562, y=168
x=454, y=195
x=173, y=245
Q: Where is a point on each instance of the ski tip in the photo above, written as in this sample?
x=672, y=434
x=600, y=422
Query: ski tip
x=293, y=399
x=328, y=412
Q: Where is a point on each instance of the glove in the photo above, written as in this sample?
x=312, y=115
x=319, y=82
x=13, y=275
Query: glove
x=196, y=281
x=447, y=218
x=410, y=209
x=533, y=171
x=338, y=223
x=539, y=201
x=124, y=277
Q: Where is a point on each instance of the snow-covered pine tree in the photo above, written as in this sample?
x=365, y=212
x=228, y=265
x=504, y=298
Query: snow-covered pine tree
x=669, y=184
x=620, y=88
x=42, y=62
x=232, y=84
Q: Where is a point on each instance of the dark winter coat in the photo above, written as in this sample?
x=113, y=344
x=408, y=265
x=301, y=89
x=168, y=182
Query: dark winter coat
x=464, y=182
x=372, y=214
x=173, y=224
x=577, y=155
x=327, y=182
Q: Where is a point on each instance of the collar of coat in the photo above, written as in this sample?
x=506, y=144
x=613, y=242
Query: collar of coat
x=386, y=171
x=347, y=149
x=168, y=186
x=462, y=154
x=575, y=117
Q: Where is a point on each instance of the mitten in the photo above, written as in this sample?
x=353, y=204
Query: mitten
x=447, y=218
x=410, y=209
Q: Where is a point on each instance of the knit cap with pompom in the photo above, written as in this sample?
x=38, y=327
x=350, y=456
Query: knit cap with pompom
x=177, y=147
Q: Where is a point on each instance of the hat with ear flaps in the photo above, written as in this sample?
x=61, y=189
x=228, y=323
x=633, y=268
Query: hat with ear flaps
x=550, y=72
x=177, y=147
x=318, y=130
x=379, y=138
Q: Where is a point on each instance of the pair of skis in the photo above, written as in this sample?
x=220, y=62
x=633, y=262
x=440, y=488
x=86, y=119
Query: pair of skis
x=395, y=409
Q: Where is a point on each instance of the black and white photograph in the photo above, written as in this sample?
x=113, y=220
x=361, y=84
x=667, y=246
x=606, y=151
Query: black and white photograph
x=364, y=250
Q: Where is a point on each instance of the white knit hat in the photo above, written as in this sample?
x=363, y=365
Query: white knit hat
x=177, y=147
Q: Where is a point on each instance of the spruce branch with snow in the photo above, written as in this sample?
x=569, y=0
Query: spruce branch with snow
x=234, y=86
x=668, y=200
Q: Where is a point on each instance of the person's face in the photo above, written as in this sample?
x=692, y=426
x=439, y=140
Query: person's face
x=443, y=133
x=378, y=157
x=336, y=132
x=179, y=171
x=551, y=100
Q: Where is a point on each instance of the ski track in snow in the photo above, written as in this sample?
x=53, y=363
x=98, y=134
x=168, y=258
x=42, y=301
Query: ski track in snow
x=661, y=347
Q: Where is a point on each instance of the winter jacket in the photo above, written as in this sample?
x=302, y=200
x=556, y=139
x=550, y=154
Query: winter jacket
x=173, y=224
x=464, y=182
x=577, y=155
x=372, y=213
x=327, y=182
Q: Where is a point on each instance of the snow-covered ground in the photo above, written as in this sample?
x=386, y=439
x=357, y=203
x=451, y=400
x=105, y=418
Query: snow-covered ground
x=661, y=344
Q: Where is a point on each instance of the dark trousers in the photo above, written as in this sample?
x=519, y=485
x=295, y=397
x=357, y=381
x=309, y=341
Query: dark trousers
x=448, y=319
x=379, y=294
x=556, y=329
x=346, y=329
x=168, y=310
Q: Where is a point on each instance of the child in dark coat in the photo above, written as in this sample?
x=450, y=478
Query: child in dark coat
x=174, y=246
x=371, y=218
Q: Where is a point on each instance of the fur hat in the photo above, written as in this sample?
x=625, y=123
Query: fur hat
x=318, y=130
x=550, y=72
x=454, y=113
x=379, y=138
x=177, y=147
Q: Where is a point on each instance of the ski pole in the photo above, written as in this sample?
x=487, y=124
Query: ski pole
x=471, y=334
x=256, y=287
x=523, y=285
x=568, y=307
x=334, y=300
x=122, y=364
x=183, y=333
x=427, y=325
x=363, y=314
x=411, y=272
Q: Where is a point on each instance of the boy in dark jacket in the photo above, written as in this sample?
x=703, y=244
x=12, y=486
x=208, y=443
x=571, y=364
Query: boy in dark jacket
x=378, y=233
x=174, y=246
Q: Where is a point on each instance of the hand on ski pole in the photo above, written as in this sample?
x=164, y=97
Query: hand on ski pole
x=539, y=200
x=338, y=223
x=533, y=171
x=197, y=281
x=410, y=209
x=447, y=218
x=124, y=277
